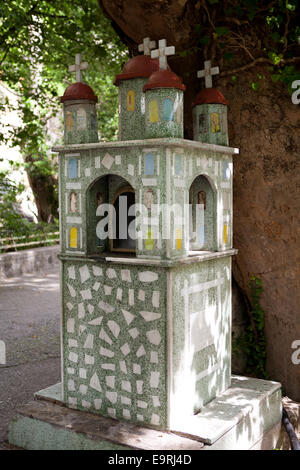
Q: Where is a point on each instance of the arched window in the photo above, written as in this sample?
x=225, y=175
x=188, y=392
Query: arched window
x=109, y=219
x=168, y=110
x=130, y=100
x=73, y=237
x=153, y=111
x=72, y=168
x=203, y=215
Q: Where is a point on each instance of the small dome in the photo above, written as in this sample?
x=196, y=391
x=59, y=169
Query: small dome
x=79, y=91
x=164, y=79
x=140, y=66
x=210, y=96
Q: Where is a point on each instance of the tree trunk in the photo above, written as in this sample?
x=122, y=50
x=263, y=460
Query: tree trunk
x=44, y=192
x=264, y=124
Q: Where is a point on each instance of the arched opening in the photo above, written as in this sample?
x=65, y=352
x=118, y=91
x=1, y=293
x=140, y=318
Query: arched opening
x=203, y=215
x=110, y=216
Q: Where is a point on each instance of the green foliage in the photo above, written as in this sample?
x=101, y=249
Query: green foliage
x=252, y=32
x=252, y=342
x=38, y=41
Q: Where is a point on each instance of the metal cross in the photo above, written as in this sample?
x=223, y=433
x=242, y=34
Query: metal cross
x=147, y=46
x=162, y=52
x=207, y=73
x=78, y=67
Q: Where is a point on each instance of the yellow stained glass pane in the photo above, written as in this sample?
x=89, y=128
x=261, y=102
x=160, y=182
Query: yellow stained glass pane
x=225, y=233
x=130, y=100
x=153, y=111
x=215, y=122
x=73, y=237
x=178, y=239
x=149, y=242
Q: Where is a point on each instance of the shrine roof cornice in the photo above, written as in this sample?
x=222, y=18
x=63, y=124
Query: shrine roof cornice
x=165, y=142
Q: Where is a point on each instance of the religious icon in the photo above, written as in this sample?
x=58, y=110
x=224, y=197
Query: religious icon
x=178, y=113
x=202, y=198
x=215, y=122
x=69, y=121
x=73, y=202
x=99, y=197
x=81, y=119
x=202, y=123
x=130, y=100
x=148, y=198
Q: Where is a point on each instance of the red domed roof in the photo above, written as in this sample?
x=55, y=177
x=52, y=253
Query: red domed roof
x=140, y=66
x=79, y=91
x=210, y=96
x=164, y=79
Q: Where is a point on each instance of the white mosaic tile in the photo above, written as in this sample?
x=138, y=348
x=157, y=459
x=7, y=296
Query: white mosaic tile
x=71, y=370
x=96, y=322
x=125, y=349
x=106, y=352
x=95, y=383
x=154, y=379
x=103, y=335
x=106, y=307
x=154, y=337
x=155, y=419
x=107, y=161
x=148, y=276
x=111, y=412
x=82, y=373
x=84, y=273
x=119, y=294
x=71, y=325
x=126, y=414
x=91, y=309
x=89, y=359
x=107, y=290
x=114, y=328
x=155, y=298
x=73, y=357
x=128, y=316
x=142, y=404
x=98, y=403
x=96, y=286
x=139, y=386
x=97, y=271
x=81, y=311
x=71, y=386
x=141, y=295
x=136, y=368
x=112, y=396
x=131, y=297
x=72, y=291
x=150, y=316
x=108, y=366
x=86, y=404
x=133, y=333
x=83, y=389
x=73, y=343
x=110, y=381
x=154, y=357
x=71, y=272
x=156, y=401
x=89, y=342
x=125, y=275
x=123, y=367
x=126, y=386
x=141, y=351
x=86, y=294
x=111, y=273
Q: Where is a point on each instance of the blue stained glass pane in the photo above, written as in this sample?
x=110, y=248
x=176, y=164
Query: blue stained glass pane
x=73, y=168
x=178, y=165
x=225, y=171
x=168, y=110
x=149, y=164
x=202, y=234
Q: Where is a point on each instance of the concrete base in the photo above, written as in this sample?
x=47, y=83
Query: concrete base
x=247, y=416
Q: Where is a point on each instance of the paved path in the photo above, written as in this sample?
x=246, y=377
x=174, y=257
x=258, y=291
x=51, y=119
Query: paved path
x=29, y=326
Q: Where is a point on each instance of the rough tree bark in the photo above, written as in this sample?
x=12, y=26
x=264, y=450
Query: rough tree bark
x=264, y=124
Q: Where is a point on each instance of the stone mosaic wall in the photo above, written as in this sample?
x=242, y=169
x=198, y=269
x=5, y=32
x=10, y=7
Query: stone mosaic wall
x=114, y=340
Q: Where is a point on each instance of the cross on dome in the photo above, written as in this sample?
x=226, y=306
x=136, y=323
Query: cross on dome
x=207, y=73
x=78, y=67
x=162, y=52
x=147, y=46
